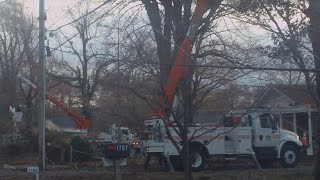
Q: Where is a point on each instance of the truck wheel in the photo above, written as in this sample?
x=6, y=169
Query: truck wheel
x=197, y=159
x=289, y=156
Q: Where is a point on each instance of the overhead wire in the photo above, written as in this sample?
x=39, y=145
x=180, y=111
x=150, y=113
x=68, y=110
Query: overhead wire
x=97, y=19
x=244, y=67
x=67, y=11
x=248, y=67
x=79, y=18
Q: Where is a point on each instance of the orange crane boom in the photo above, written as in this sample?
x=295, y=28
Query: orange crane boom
x=180, y=68
x=80, y=121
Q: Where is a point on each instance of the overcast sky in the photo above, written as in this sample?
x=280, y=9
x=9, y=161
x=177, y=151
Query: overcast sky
x=55, y=10
x=56, y=14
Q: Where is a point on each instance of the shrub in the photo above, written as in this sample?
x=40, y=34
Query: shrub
x=81, y=150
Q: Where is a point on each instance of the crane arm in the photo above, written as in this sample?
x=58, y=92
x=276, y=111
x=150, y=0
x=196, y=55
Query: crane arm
x=180, y=68
x=80, y=121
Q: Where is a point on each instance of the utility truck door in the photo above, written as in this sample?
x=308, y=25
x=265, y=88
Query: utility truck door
x=267, y=134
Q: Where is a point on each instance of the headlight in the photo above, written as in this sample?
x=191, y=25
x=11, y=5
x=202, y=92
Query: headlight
x=296, y=136
x=135, y=143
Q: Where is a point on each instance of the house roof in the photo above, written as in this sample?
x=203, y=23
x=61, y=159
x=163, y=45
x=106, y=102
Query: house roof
x=297, y=93
x=51, y=126
x=64, y=122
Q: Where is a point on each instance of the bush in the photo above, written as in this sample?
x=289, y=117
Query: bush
x=81, y=150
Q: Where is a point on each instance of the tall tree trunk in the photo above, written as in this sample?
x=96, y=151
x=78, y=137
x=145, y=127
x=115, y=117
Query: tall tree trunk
x=314, y=33
x=163, y=35
x=187, y=93
x=87, y=112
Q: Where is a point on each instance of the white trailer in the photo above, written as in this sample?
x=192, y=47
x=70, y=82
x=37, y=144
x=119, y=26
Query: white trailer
x=256, y=135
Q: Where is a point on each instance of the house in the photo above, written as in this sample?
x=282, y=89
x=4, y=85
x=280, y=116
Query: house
x=285, y=96
x=294, y=108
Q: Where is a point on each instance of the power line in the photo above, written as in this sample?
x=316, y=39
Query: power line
x=68, y=52
x=97, y=19
x=98, y=7
x=241, y=67
x=60, y=45
x=198, y=66
x=67, y=11
x=74, y=35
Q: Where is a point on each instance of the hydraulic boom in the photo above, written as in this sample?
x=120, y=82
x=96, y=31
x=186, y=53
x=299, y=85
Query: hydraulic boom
x=180, y=67
x=80, y=121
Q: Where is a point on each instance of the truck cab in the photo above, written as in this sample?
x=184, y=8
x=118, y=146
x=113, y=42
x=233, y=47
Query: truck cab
x=270, y=142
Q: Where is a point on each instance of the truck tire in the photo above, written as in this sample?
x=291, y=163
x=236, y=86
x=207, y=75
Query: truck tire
x=197, y=159
x=289, y=156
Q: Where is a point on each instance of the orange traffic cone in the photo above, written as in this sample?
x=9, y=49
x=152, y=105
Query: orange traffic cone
x=304, y=139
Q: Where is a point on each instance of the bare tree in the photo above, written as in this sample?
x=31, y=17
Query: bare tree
x=289, y=33
x=91, y=60
x=18, y=52
x=294, y=28
x=169, y=22
x=313, y=12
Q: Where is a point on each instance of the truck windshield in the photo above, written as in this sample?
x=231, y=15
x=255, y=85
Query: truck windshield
x=125, y=131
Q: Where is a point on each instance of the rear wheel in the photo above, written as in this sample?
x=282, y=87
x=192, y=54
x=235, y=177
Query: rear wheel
x=197, y=159
x=289, y=156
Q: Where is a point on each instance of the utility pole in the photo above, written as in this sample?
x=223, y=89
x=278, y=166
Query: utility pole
x=42, y=98
x=117, y=161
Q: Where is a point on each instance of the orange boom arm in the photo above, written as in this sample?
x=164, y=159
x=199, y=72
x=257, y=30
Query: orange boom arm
x=180, y=68
x=80, y=121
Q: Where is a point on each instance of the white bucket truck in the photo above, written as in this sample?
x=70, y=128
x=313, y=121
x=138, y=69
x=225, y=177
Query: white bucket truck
x=254, y=134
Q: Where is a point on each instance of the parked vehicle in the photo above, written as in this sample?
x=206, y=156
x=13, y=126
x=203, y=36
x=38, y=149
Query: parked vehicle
x=125, y=135
x=255, y=134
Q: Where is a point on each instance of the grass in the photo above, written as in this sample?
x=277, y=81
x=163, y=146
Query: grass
x=134, y=171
